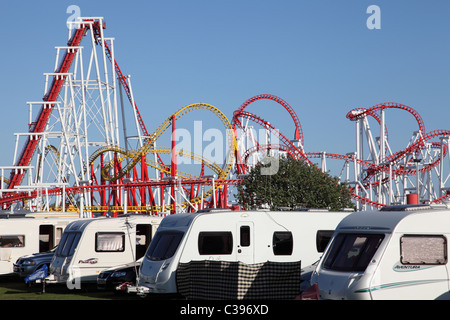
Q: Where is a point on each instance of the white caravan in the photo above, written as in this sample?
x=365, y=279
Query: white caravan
x=89, y=246
x=246, y=236
x=24, y=235
x=399, y=252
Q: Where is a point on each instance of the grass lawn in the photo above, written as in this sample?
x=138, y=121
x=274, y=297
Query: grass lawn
x=16, y=289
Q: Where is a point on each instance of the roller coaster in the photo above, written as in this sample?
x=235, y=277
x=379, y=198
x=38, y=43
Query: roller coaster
x=73, y=157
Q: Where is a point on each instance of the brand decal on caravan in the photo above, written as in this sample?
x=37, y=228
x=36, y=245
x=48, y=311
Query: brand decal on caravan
x=398, y=267
x=89, y=261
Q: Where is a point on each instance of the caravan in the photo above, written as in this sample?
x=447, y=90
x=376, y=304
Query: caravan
x=249, y=237
x=398, y=252
x=24, y=235
x=89, y=246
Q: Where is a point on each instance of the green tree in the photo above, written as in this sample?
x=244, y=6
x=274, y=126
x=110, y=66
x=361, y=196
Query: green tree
x=286, y=182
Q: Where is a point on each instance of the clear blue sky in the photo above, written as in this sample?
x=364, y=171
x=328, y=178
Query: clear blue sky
x=317, y=55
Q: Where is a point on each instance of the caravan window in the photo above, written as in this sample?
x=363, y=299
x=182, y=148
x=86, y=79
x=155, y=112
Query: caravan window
x=45, y=237
x=245, y=236
x=110, y=242
x=68, y=243
x=322, y=239
x=143, y=237
x=423, y=249
x=282, y=243
x=8, y=241
x=352, y=252
x=164, y=244
x=215, y=242
x=59, y=233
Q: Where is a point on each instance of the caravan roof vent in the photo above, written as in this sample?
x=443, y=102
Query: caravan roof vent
x=406, y=207
x=211, y=210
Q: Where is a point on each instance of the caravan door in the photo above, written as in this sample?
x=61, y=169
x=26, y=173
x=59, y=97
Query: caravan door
x=245, y=242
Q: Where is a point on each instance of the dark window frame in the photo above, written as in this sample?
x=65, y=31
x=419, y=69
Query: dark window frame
x=244, y=236
x=282, y=245
x=323, y=238
x=341, y=246
x=223, y=243
x=68, y=243
x=171, y=247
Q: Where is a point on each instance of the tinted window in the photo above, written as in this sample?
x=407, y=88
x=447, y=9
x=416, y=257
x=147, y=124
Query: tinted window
x=245, y=236
x=164, y=244
x=143, y=237
x=423, y=249
x=282, y=243
x=323, y=237
x=215, y=242
x=68, y=243
x=352, y=252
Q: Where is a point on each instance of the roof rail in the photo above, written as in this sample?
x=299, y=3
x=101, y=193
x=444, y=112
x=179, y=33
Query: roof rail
x=12, y=215
x=311, y=209
x=210, y=210
x=407, y=207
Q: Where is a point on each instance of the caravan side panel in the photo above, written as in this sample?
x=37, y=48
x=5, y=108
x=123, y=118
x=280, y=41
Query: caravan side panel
x=249, y=237
x=18, y=237
x=408, y=259
x=413, y=267
x=101, y=248
x=254, y=237
x=296, y=236
x=24, y=236
x=102, y=243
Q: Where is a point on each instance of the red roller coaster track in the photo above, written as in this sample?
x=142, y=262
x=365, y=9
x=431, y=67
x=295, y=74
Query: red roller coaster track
x=353, y=115
x=46, y=110
x=298, y=134
x=241, y=164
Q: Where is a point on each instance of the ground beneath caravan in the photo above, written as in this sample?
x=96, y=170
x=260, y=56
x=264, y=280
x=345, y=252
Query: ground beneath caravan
x=12, y=288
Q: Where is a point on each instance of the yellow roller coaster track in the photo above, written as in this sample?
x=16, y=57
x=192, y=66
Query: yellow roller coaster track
x=133, y=157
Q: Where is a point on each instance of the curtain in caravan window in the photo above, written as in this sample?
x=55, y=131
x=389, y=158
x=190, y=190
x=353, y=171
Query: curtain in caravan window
x=423, y=249
x=109, y=242
x=8, y=241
